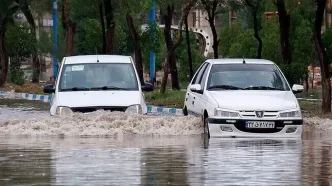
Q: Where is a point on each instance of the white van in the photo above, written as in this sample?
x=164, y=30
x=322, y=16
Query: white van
x=97, y=82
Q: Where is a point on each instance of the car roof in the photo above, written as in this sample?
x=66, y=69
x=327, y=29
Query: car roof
x=93, y=59
x=239, y=61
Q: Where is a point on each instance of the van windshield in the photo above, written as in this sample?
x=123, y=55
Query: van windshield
x=246, y=77
x=98, y=76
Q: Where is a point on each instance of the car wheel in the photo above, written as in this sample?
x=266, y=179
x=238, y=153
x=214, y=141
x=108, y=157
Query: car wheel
x=185, y=111
x=206, y=128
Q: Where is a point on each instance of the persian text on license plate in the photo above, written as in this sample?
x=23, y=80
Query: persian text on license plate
x=260, y=124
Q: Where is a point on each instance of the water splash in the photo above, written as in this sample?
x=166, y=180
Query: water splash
x=103, y=123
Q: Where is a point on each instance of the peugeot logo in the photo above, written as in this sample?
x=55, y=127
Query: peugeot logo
x=259, y=114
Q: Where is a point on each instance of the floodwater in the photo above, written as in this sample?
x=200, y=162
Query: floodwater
x=59, y=151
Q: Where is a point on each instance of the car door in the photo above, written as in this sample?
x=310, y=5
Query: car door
x=199, y=97
x=190, y=97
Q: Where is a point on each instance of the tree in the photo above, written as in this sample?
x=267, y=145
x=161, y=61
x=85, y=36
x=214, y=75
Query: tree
x=255, y=7
x=24, y=6
x=170, y=63
x=210, y=6
x=21, y=43
x=284, y=25
x=322, y=56
x=110, y=25
x=7, y=10
x=190, y=61
x=102, y=21
x=69, y=27
x=133, y=8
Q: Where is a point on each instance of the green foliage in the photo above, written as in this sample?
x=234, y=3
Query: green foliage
x=181, y=54
x=44, y=43
x=158, y=46
x=271, y=41
x=245, y=45
x=228, y=36
x=90, y=37
x=20, y=44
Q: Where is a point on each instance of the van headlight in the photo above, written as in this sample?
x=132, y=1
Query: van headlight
x=134, y=109
x=226, y=113
x=291, y=114
x=63, y=111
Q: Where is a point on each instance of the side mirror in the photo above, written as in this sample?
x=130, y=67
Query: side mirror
x=147, y=87
x=297, y=88
x=196, y=88
x=49, y=89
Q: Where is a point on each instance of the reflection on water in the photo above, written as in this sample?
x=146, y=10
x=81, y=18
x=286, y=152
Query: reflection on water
x=137, y=160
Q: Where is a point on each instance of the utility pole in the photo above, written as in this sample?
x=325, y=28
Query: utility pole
x=152, y=16
x=55, y=39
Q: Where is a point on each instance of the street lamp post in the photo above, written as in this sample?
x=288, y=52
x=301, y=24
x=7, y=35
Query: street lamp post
x=55, y=39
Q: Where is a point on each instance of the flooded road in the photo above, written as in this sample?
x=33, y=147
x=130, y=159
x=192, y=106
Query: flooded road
x=143, y=157
x=134, y=160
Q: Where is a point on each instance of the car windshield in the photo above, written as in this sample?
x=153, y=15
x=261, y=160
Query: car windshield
x=246, y=77
x=98, y=76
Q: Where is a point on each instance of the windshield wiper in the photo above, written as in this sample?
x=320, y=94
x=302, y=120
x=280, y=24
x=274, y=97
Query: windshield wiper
x=226, y=87
x=108, y=88
x=75, y=89
x=262, y=88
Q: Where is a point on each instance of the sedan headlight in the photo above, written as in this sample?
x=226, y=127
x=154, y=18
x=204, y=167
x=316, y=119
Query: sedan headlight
x=290, y=114
x=134, y=109
x=226, y=113
x=63, y=111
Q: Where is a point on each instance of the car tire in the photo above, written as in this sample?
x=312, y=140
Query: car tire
x=206, y=128
x=185, y=111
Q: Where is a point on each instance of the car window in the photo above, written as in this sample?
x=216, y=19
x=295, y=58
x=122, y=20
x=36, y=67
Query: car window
x=121, y=75
x=198, y=75
x=247, y=76
x=203, y=78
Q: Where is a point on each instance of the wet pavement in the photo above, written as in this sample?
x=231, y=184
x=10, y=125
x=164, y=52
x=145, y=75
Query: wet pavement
x=159, y=160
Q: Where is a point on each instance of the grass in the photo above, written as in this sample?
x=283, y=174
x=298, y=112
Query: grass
x=172, y=99
x=32, y=88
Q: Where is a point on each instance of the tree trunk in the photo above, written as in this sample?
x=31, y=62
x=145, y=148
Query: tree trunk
x=190, y=62
x=211, y=7
x=35, y=59
x=3, y=56
x=137, y=46
x=258, y=38
x=102, y=21
x=170, y=59
x=71, y=29
x=110, y=24
x=215, y=39
x=313, y=78
x=284, y=25
x=307, y=81
x=323, y=57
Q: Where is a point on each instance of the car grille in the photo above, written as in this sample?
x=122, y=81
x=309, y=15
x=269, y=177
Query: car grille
x=252, y=114
x=93, y=109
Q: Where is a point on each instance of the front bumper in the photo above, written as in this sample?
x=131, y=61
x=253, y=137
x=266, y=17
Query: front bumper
x=237, y=128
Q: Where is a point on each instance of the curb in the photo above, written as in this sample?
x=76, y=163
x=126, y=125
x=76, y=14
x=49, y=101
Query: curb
x=48, y=99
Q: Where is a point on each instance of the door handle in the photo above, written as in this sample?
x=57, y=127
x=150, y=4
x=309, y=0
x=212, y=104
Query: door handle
x=193, y=102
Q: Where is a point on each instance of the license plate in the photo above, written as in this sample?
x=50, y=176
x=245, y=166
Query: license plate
x=260, y=124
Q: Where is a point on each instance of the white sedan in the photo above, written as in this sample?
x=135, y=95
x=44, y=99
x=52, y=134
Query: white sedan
x=244, y=98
